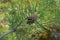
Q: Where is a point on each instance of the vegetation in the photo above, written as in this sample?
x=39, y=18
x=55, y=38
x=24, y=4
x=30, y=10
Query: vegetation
x=15, y=13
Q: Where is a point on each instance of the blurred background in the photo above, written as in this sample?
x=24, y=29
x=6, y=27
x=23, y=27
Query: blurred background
x=15, y=14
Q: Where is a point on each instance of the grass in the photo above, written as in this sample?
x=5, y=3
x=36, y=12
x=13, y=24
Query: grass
x=17, y=10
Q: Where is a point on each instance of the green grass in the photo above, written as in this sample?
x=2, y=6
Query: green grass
x=16, y=11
